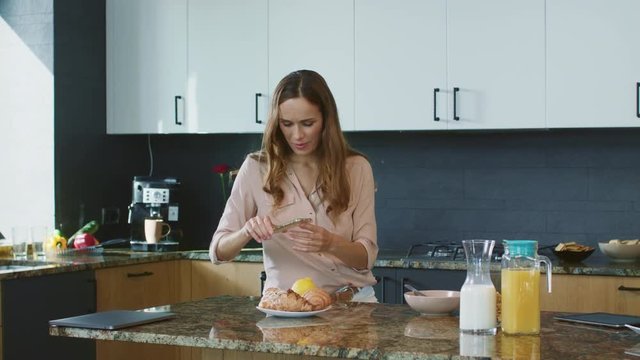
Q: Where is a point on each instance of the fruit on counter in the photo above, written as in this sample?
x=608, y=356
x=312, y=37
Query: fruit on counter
x=56, y=242
x=89, y=228
x=572, y=246
x=301, y=286
x=84, y=240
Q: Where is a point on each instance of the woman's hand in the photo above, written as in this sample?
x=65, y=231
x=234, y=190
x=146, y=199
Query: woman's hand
x=259, y=228
x=311, y=238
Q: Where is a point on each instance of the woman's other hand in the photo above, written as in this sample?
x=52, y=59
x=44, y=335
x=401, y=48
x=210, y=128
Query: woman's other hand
x=310, y=238
x=259, y=228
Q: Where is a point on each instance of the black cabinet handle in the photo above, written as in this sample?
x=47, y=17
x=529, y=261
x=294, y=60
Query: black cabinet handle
x=626, y=288
x=263, y=277
x=144, y=273
x=455, y=103
x=258, y=121
x=435, y=105
x=175, y=107
x=638, y=99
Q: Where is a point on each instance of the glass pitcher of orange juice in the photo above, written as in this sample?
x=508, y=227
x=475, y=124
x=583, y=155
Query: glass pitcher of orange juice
x=520, y=281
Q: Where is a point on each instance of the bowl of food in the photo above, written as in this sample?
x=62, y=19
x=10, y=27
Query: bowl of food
x=572, y=251
x=621, y=250
x=433, y=302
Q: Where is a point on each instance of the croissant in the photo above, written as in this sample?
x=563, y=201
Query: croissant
x=284, y=300
x=318, y=298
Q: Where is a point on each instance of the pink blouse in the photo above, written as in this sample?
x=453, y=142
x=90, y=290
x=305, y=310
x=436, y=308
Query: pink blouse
x=284, y=265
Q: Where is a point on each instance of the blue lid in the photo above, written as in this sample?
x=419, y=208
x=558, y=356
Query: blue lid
x=521, y=247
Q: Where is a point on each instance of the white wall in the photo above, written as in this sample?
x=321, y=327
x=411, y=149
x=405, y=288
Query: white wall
x=26, y=135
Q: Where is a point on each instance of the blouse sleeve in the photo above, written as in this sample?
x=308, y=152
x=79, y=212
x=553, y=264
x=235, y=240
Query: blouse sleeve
x=364, y=217
x=240, y=207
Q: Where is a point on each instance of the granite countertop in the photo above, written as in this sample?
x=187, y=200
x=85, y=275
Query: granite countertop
x=595, y=265
x=11, y=268
x=362, y=331
x=386, y=258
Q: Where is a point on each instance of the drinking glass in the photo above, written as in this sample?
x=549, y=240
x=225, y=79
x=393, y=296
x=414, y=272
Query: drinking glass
x=19, y=240
x=39, y=235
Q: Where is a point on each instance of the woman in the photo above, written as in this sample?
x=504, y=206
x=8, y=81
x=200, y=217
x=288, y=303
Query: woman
x=305, y=169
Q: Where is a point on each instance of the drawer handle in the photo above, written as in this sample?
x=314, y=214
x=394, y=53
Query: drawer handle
x=626, y=288
x=144, y=273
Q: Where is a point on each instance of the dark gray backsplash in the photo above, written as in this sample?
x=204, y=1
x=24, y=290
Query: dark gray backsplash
x=552, y=186
x=564, y=185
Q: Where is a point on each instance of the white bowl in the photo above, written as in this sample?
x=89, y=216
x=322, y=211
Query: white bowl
x=621, y=252
x=435, y=302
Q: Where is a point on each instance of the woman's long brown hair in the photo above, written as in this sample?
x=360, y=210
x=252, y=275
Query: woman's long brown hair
x=333, y=148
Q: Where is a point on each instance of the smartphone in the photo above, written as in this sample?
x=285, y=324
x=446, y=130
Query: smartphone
x=290, y=224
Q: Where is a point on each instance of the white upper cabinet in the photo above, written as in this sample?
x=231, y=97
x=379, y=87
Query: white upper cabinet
x=449, y=64
x=227, y=79
x=146, y=66
x=593, y=63
x=315, y=35
x=210, y=66
x=496, y=67
x=400, y=65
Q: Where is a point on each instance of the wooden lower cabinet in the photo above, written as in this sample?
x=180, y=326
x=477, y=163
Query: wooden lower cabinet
x=140, y=286
x=234, y=278
x=215, y=354
x=584, y=293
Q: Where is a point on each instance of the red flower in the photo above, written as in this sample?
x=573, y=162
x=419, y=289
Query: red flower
x=220, y=168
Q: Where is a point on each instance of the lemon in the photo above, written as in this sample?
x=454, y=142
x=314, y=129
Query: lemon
x=303, y=285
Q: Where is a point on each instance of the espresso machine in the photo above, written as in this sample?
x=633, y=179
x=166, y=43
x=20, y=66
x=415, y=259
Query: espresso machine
x=155, y=197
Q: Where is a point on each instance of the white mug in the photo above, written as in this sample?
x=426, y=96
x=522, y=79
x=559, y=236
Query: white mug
x=154, y=230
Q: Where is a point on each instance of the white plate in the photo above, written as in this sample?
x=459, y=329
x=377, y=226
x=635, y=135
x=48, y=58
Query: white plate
x=634, y=328
x=291, y=314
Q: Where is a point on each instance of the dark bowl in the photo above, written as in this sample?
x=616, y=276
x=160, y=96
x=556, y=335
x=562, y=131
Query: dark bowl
x=573, y=256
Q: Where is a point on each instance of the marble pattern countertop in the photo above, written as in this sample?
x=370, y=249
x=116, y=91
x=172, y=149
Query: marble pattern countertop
x=386, y=258
x=360, y=331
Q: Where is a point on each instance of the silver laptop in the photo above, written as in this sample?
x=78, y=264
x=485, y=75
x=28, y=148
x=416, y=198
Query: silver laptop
x=111, y=320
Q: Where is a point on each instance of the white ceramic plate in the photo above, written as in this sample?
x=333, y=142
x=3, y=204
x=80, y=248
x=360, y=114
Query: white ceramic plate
x=291, y=314
x=634, y=328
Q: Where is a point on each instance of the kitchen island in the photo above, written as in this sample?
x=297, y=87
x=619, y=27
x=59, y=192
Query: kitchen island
x=223, y=326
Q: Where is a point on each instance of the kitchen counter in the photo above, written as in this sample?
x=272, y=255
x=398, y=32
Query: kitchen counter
x=387, y=258
x=54, y=264
x=594, y=265
x=227, y=325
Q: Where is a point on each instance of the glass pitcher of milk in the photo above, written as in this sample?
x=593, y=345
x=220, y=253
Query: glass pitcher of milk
x=520, y=279
x=478, y=295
